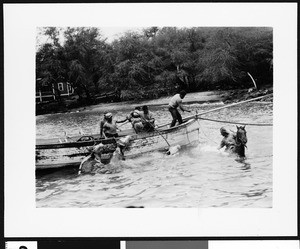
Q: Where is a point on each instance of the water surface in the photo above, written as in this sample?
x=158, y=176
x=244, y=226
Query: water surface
x=199, y=176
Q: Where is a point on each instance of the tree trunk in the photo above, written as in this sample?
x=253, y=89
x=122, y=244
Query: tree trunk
x=88, y=95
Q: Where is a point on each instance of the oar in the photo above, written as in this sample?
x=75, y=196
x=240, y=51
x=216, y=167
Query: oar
x=155, y=130
x=223, y=107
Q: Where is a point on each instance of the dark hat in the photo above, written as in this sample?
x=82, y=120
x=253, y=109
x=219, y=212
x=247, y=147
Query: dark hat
x=182, y=93
x=135, y=114
x=223, y=130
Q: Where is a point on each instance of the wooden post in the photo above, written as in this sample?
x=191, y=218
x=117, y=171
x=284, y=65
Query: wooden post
x=68, y=89
x=53, y=91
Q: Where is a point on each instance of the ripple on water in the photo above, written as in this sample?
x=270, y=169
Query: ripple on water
x=200, y=176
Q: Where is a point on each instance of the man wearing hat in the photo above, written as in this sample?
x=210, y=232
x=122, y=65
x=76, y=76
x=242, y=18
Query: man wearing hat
x=135, y=119
x=175, y=102
x=109, y=127
x=133, y=114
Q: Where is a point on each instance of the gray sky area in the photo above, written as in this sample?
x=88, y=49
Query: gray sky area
x=110, y=33
x=114, y=32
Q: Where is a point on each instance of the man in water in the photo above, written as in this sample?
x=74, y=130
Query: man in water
x=147, y=119
x=228, y=140
x=175, y=102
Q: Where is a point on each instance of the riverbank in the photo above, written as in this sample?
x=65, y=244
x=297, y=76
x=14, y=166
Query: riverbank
x=245, y=94
x=199, y=97
x=225, y=97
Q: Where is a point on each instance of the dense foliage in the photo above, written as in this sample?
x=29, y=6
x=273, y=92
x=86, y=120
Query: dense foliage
x=157, y=61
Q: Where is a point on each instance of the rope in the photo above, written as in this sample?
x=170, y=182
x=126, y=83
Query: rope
x=118, y=127
x=187, y=134
x=126, y=122
x=226, y=106
x=155, y=130
x=229, y=122
x=204, y=133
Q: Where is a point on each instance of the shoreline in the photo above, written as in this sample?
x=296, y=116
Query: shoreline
x=226, y=97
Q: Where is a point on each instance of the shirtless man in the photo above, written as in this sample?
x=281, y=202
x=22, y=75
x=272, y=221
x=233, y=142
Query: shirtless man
x=110, y=126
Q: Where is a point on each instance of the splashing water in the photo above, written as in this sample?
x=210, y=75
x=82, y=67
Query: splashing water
x=199, y=176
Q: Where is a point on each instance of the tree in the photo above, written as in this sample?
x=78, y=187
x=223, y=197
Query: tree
x=50, y=68
x=156, y=61
x=150, y=32
x=86, y=54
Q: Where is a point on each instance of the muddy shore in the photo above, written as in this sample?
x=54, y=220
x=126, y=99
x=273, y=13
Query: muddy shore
x=225, y=97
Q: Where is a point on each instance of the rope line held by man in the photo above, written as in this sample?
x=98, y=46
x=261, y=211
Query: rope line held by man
x=176, y=102
x=231, y=122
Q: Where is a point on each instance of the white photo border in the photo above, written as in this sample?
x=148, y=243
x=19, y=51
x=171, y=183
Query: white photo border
x=23, y=219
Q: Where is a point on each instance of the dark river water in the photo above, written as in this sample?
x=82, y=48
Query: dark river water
x=198, y=176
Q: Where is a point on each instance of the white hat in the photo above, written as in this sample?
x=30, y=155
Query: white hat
x=108, y=115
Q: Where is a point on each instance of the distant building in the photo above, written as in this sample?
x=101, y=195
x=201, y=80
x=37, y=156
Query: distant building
x=47, y=93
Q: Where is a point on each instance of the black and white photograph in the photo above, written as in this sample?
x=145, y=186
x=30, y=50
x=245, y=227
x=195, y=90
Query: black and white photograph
x=157, y=117
x=176, y=116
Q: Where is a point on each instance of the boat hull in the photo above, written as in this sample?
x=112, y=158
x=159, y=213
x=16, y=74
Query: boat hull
x=55, y=155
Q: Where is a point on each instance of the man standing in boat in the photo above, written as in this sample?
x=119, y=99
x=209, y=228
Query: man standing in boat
x=175, y=102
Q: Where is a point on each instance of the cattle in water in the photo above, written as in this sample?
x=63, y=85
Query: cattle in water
x=234, y=142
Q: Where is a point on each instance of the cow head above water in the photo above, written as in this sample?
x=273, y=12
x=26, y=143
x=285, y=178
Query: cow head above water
x=241, y=135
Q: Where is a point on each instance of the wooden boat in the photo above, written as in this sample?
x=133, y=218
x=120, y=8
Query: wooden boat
x=52, y=153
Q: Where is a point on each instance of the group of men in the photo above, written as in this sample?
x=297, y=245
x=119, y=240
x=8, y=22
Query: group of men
x=141, y=119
